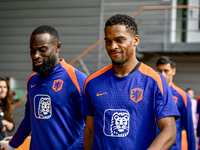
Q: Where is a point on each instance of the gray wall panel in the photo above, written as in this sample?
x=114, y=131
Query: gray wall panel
x=77, y=22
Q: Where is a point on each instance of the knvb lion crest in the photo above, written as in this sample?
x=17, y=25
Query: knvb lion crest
x=120, y=124
x=57, y=85
x=42, y=106
x=175, y=99
x=136, y=95
x=44, y=109
x=116, y=122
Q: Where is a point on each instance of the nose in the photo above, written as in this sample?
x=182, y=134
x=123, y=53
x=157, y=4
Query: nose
x=163, y=73
x=35, y=54
x=113, y=45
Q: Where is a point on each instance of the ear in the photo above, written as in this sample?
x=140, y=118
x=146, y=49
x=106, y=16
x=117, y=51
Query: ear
x=136, y=40
x=174, y=71
x=58, y=47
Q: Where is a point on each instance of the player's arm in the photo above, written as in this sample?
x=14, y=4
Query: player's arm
x=167, y=136
x=23, y=130
x=88, y=133
x=78, y=144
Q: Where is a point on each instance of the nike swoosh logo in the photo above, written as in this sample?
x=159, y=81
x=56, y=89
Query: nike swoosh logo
x=33, y=86
x=101, y=94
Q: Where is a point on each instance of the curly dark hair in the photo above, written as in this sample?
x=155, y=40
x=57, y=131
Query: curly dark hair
x=121, y=19
x=7, y=102
x=46, y=29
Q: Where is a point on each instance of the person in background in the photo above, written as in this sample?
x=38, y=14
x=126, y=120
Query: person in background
x=195, y=115
x=54, y=95
x=123, y=100
x=167, y=67
x=6, y=114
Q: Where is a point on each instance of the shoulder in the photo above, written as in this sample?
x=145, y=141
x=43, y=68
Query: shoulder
x=72, y=72
x=31, y=76
x=150, y=72
x=182, y=94
x=198, y=98
x=98, y=73
x=76, y=76
x=68, y=68
x=146, y=70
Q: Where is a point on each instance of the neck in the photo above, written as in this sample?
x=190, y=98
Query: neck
x=170, y=83
x=124, y=69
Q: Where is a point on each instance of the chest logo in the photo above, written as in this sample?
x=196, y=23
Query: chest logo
x=33, y=85
x=42, y=106
x=57, y=85
x=99, y=94
x=116, y=122
x=136, y=95
x=175, y=99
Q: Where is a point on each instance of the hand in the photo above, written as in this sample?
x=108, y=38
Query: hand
x=4, y=122
x=7, y=124
x=6, y=146
x=4, y=129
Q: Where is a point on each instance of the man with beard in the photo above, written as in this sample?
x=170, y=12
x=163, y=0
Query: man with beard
x=123, y=101
x=54, y=95
x=167, y=67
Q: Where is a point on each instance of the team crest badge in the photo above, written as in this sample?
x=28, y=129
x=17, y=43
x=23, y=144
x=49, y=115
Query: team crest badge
x=136, y=95
x=57, y=85
x=175, y=99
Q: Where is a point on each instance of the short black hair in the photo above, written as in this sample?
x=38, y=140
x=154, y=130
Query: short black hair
x=188, y=89
x=166, y=60
x=46, y=29
x=122, y=19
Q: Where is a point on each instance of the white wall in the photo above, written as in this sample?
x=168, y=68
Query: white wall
x=173, y=23
x=193, y=33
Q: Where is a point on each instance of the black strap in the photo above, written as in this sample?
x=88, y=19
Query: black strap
x=136, y=67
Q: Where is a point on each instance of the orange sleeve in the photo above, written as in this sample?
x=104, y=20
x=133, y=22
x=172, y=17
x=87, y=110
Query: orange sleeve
x=181, y=92
x=150, y=72
x=31, y=76
x=71, y=71
x=92, y=76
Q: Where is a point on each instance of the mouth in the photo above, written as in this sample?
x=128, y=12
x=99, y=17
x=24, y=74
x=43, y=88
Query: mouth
x=37, y=63
x=115, y=53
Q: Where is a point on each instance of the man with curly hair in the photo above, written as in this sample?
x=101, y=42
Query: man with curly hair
x=123, y=101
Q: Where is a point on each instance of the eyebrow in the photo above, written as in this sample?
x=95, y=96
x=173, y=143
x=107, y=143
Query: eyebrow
x=119, y=37
x=38, y=47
